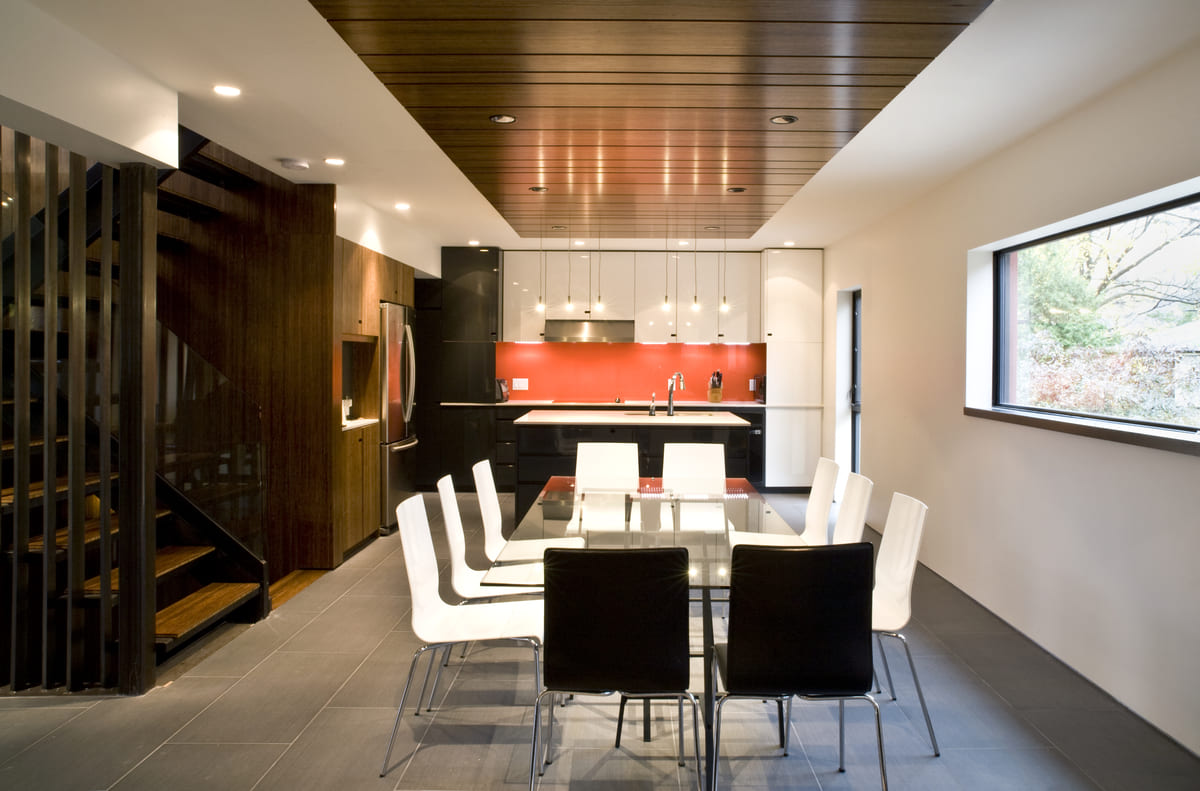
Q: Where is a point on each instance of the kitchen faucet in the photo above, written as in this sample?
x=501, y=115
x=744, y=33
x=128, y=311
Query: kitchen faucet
x=671, y=391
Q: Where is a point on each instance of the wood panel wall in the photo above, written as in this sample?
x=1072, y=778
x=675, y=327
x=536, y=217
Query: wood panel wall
x=251, y=290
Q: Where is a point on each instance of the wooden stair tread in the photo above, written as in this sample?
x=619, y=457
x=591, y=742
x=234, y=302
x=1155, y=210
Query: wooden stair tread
x=166, y=560
x=202, y=608
x=37, y=488
x=91, y=532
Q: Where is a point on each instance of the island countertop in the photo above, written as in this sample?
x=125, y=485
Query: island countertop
x=632, y=417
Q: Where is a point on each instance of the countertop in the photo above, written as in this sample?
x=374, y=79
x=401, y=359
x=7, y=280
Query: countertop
x=639, y=417
x=630, y=405
x=358, y=422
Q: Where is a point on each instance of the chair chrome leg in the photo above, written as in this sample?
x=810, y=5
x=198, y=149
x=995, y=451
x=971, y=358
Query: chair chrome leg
x=879, y=738
x=841, y=735
x=425, y=684
x=695, y=737
x=436, y=676
x=546, y=760
x=920, y=694
x=681, y=761
x=786, y=724
x=887, y=671
x=716, y=774
x=779, y=717
x=620, y=721
x=412, y=668
x=535, y=770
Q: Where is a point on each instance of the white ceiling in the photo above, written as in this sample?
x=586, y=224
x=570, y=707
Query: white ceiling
x=306, y=95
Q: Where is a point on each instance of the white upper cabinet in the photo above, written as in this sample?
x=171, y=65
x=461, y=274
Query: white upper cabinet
x=521, y=288
x=740, y=288
x=567, y=284
x=792, y=295
x=697, y=287
x=654, y=283
x=613, y=282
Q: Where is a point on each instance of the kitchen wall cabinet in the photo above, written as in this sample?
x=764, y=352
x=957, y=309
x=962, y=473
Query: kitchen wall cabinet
x=741, y=288
x=471, y=294
x=612, y=279
x=522, y=285
x=792, y=318
x=792, y=295
x=654, y=280
x=356, y=477
x=362, y=279
x=697, y=288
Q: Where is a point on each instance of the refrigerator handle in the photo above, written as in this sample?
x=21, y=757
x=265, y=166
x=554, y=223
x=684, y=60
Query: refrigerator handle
x=412, y=372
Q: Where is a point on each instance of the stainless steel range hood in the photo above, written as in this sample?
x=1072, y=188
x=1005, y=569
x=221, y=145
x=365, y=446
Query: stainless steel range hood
x=587, y=331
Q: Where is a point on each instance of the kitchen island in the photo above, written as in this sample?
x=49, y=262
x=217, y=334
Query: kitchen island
x=547, y=439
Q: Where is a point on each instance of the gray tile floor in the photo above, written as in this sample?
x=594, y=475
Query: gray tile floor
x=305, y=700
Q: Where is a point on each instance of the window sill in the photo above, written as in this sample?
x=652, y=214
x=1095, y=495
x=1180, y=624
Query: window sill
x=1161, y=439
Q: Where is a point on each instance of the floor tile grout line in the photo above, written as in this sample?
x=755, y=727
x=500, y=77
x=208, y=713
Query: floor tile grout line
x=46, y=736
x=299, y=734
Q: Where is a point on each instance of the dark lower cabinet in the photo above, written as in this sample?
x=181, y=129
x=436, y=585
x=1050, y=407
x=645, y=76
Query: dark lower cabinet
x=468, y=435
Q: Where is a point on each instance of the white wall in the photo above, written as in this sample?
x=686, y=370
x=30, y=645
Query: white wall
x=58, y=86
x=1087, y=546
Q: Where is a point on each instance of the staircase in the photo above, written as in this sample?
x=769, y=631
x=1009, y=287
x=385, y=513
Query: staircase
x=61, y=422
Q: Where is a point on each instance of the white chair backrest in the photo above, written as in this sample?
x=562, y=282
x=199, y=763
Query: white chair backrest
x=896, y=563
x=420, y=563
x=820, y=500
x=452, y=519
x=606, y=466
x=694, y=467
x=852, y=511
x=489, y=509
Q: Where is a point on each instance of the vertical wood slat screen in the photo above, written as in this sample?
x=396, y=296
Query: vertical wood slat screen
x=55, y=635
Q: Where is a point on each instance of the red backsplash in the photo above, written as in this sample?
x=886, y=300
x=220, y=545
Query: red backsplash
x=629, y=371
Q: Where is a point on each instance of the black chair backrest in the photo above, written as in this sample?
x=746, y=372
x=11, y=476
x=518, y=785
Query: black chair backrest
x=800, y=620
x=616, y=619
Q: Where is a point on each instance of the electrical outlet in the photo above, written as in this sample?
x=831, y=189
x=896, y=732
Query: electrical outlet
x=520, y=384
x=751, y=385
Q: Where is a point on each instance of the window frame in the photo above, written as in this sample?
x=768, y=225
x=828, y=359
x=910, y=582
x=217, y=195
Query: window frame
x=1148, y=433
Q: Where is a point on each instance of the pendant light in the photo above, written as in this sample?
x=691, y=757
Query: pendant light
x=541, y=303
x=695, y=266
x=724, y=270
x=598, y=305
x=666, y=306
x=570, y=305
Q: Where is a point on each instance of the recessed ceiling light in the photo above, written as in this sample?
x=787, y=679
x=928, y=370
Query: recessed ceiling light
x=502, y=118
x=336, y=162
x=784, y=119
x=402, y=206
x=558, y=227
x=474, y=242
x=789, y=244
x=712, y=227
x=683, y=242
x=736, y=189
x=291, y=163
x=227, y=90
x=579, y=243
x=539, y=189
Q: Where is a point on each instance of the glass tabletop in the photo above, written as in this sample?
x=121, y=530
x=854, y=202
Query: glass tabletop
x=709, y=525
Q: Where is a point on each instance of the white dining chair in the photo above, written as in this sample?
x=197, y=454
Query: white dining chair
x=891, y=600
x=852, y=509
x=467, y=582
x=439, y=625
x=495, y=546
x=816, y=514
x=694, y=469
x=608, y=471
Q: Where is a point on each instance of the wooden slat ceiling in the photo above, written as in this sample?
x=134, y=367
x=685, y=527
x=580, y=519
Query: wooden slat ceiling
x=638, y=118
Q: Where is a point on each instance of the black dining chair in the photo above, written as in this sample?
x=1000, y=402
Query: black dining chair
x=799, y=625
x=616, y=621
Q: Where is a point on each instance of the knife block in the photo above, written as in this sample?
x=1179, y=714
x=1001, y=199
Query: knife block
x=714, y=394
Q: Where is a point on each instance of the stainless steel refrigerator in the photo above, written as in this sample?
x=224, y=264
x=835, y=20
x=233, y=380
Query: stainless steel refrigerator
x=398, y=381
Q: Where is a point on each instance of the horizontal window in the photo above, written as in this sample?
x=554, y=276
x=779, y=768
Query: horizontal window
x=1102, y=323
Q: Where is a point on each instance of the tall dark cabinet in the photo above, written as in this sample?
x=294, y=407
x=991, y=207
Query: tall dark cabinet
x=457, y=325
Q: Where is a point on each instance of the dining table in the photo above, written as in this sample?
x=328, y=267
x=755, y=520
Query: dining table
x=651, y=516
